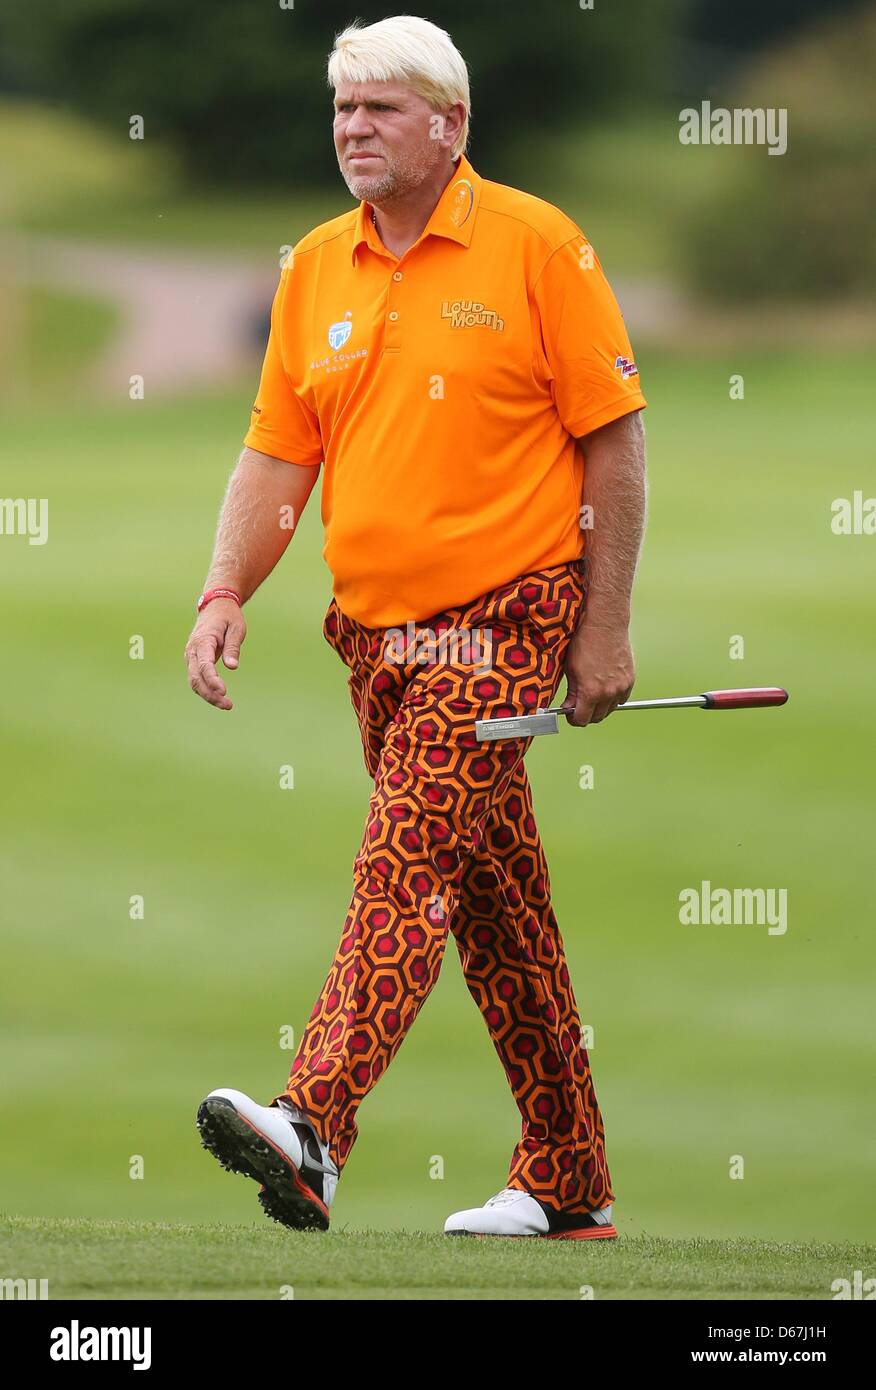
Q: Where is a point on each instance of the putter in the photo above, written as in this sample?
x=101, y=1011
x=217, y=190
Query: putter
x=547, y=721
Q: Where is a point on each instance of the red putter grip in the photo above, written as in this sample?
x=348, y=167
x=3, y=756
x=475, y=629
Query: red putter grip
x=745, y=699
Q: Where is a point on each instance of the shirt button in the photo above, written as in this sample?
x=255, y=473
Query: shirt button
x=393, y=316
x=397, y=275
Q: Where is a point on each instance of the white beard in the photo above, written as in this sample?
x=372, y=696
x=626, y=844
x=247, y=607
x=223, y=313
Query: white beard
x=397, y=178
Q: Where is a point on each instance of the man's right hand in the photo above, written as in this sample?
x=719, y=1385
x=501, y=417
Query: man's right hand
x=219, y=631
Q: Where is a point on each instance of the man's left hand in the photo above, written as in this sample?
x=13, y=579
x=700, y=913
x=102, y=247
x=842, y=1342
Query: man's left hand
x=600, y=671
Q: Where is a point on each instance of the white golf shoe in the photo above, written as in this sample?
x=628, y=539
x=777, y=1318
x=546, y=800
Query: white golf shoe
x=514, y=1213
x=278, y=1147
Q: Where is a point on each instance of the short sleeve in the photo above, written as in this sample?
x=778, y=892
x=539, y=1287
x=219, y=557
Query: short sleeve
x=282, y=424
x=594, y=378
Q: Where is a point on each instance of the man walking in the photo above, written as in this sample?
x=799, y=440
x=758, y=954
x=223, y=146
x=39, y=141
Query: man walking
x=452, y=356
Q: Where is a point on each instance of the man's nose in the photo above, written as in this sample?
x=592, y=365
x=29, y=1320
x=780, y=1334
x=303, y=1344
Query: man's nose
x=359, y=123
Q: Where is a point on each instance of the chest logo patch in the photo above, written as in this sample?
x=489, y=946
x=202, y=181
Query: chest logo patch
x=470, y=313
x=339, y=333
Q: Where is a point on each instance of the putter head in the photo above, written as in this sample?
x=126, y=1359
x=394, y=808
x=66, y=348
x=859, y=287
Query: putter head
x=518, y=726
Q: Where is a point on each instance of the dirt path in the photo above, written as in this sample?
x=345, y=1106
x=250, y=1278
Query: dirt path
x=186, y=319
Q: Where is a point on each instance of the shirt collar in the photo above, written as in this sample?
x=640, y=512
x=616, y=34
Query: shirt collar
x=453, y=215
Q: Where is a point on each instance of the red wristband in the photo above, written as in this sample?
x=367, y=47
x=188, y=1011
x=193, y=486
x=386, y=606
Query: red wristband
x=210, y=594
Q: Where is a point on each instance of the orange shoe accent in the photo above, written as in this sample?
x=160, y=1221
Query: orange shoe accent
x=589, y=1233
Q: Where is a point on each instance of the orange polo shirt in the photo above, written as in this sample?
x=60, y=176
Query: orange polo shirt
x=443, y=392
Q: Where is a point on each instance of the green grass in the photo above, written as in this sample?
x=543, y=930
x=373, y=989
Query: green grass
x=63, y=335
x=99, y=187
x=142, y=1260
x=175, y=217
x=709, y=1042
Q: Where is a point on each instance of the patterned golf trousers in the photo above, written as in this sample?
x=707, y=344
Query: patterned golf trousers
x=451, y=844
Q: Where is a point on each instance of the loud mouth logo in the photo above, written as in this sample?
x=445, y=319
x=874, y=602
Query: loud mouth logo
x=470, y=313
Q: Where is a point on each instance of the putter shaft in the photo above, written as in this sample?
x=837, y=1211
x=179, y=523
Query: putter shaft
x=547, y=721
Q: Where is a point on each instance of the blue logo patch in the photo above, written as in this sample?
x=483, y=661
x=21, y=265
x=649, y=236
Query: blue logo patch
x=339, y=333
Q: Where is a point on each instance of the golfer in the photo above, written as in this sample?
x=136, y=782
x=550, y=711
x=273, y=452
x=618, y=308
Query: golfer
x=450, y=354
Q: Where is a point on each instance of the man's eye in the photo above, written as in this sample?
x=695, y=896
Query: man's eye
x=377, y=106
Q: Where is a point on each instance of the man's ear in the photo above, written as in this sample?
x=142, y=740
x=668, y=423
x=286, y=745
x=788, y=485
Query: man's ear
x=452, y=126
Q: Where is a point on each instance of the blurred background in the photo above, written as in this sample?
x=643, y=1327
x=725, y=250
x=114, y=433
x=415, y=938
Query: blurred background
x=156, y=257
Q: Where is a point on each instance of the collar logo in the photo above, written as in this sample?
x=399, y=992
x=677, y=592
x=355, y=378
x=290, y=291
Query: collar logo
x=339, y=333
x=461, y=202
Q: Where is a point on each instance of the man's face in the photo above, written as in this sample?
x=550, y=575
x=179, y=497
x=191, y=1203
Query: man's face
x=385, y=139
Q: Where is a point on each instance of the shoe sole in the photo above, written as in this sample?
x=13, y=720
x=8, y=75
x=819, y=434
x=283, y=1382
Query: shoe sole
x=589, y=1233
x=240, y=1147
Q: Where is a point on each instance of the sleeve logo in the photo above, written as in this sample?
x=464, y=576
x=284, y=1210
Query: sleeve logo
x=626, y=367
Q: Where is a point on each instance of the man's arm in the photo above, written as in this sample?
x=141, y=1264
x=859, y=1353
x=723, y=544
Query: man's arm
x=263, y=504
x=599, y=663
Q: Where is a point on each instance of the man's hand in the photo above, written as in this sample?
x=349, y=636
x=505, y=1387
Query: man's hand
x=600, y=670
x=219, y=631
x=264, y=493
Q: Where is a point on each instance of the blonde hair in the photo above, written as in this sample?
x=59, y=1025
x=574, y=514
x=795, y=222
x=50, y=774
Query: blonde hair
x=405, y=49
